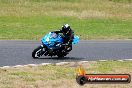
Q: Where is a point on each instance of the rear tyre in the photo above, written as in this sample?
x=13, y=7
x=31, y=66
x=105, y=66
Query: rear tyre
x=61, y=55
x=37, y=52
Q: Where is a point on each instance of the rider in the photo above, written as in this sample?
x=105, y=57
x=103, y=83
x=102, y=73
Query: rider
x=68, y=36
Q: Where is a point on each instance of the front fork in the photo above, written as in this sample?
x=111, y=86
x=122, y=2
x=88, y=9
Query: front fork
x=44, y=50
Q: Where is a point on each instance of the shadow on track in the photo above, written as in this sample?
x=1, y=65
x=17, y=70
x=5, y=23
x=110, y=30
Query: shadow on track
x=62, y=58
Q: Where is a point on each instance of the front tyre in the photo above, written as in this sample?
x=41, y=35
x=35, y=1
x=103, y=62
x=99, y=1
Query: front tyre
x=37, y=52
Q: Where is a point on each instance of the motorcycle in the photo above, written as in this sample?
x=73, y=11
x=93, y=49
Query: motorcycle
x=51, y=44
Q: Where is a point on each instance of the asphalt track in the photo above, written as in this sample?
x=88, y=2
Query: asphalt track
x=18, y=52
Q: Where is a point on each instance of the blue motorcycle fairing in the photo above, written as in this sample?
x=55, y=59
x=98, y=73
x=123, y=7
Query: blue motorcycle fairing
x=51, y=39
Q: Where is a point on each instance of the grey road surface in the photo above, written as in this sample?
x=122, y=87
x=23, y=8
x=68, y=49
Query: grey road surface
x=18, y=52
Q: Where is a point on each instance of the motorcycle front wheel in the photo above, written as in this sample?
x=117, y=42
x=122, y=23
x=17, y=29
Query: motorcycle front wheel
x=37, y=52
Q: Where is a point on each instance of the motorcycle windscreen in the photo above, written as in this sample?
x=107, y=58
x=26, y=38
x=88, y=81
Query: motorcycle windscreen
x=75, y=40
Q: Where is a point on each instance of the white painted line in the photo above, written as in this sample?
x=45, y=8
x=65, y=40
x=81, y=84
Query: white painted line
x=58, y=64
x=5, y=66
x=32, y=65
x=128, y=59
x=45, y=63
x=103, y=60
x=25, y=65
x=120, y=60
x=18, y=66
x=62, y=63
x=84, y=61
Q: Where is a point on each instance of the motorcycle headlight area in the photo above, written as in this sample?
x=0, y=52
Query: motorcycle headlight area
x=48, y=40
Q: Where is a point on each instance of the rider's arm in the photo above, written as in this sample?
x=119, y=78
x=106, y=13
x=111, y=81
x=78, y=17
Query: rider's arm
x=71, y=38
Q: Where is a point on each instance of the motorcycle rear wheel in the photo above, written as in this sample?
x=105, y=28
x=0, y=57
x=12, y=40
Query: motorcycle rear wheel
x=61, y=55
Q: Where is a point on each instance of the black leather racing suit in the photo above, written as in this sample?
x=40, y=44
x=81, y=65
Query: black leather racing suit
x=67, y=38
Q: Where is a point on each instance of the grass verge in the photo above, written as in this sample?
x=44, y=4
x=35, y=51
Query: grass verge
x=52, y=76
x=91, y=19
x=34, y=28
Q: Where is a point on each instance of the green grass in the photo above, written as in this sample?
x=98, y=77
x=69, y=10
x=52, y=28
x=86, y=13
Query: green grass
x=36, y=27
x=90, y=19
x=42, y=76
x=111, y=67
